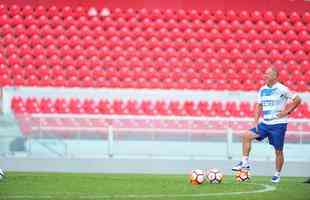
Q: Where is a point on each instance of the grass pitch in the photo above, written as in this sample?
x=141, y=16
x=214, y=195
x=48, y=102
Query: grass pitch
x=30, y=186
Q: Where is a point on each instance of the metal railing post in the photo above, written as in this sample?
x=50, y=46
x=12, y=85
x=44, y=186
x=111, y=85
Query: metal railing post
x=110, y=141
x=229, y=143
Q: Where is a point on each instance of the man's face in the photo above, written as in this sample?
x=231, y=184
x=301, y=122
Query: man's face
x=270, y=76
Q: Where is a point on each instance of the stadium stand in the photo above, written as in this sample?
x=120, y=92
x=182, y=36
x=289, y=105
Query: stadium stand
x=218, y=50
x=158, y=79
x=166, y=49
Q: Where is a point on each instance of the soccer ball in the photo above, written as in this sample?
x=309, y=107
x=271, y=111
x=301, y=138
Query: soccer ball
x=197, y=176
x=242, y=175
x=1, y=174
x=214, y=176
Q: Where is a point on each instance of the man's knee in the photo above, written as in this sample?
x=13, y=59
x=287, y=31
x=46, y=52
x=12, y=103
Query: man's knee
x=279, y=153
x=248, y=135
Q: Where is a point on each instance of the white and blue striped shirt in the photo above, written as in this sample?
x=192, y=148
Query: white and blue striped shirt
x=273, y=100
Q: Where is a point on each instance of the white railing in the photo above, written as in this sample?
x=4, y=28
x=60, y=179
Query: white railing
x=148, y=124
x=113, y=130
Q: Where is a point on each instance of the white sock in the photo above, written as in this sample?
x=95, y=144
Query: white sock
x=277, y=174
x=245, y=159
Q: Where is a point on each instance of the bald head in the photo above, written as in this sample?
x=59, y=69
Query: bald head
x=274, y=71
x=271, y=76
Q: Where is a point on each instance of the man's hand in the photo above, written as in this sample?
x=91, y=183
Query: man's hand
x=257, y=113
x=255, y=124
x=290, y=107
x=283, y=113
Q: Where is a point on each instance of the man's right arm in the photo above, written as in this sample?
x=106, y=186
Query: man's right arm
x=257, y=112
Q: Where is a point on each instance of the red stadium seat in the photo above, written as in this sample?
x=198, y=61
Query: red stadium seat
x=190, y=108
x=306, y=17
x=27, y=10
x=45, y=81
x=18, y=105
x=5, y=80
x=161, y=108
x=59, y=81
x=73, y=82
x=245, y=109
x=132, y=107
x=147, y=107
x=19, y=80
x=32, y=105
x=256, y=16
x=89, y=106
x=87, y=81
x=269, y=16
x=40, y=11
x=52, y=11
x=118, y=107
x=57, y=71
x=61, y=105
x=203, y=108
x=281, y=17
x=231, y=109
x=104, y=107
x=46, y=106
x=32, y=80
x=175, y=108
x=243, y=16
x=74, y=106
x=15, y=101
x=21, y=31
x=14, y=10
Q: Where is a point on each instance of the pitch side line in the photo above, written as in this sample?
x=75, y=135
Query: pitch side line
x=267, y=188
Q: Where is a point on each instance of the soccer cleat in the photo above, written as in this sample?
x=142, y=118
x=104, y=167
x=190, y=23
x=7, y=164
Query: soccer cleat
x=275, y=179
x=307, y=181
x=240, y=166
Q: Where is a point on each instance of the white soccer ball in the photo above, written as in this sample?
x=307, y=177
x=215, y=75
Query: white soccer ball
x=197, y=176
x=242, y=176
x=214, y=176
x=1, y=174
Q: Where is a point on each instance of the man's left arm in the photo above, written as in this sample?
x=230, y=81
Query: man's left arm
x=290, y=107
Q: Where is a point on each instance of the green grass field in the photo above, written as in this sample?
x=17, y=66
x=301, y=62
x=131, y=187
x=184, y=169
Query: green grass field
x=135, y=186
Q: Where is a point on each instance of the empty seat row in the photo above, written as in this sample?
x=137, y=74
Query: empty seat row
x=158, y=58
x=144, y=107
x=176, y=72
x=166, y=49
x=301, y=35
x=166, y=14
x=144, y=83
x=38, y=11
x=108, y=25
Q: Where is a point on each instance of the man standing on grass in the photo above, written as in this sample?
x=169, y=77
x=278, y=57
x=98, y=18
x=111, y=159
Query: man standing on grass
x=273, y=104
